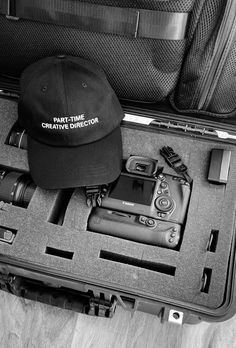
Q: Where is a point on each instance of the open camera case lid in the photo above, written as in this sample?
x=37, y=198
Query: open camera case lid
x=69, y=266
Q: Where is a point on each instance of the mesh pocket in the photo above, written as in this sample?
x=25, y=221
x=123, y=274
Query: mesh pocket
x=162, y=5
x=224, y=98
x=198, y=61
x=138, y=69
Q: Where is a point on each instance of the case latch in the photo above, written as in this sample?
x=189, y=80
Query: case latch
x=101, y=307
x=11, y=10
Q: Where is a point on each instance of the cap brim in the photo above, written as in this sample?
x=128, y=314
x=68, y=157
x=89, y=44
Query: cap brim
x=66, y=167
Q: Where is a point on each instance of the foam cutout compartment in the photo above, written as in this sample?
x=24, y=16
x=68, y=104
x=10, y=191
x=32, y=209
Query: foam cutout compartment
x=156, y=272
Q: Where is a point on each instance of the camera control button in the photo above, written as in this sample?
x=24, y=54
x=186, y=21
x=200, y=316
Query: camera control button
x=171, y=240
x=161, y=177
x=150, y=222
x=161, y=215
x=142, y=219
x=164, y=203
x=8, y=235
x=173, y=234
x=163, y=185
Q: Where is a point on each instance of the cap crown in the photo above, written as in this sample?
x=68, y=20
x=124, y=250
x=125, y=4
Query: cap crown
x=67, y=101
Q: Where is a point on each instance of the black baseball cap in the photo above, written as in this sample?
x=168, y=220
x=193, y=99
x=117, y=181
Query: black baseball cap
x=72, y=118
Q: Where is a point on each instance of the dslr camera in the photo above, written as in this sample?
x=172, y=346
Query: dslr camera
x=157, y=195
x=144, y=205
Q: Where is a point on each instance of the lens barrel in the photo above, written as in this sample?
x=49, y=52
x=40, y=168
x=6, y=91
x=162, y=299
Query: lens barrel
x=16, y=188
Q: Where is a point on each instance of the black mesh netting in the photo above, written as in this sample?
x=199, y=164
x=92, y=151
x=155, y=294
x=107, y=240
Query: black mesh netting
x=163, y=5
x=138, y=69
x=224, y=98
x=198, y=61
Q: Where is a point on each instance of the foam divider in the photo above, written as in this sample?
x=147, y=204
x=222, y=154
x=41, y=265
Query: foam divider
x=43, y=203
x=152, y=271
x=77, y=212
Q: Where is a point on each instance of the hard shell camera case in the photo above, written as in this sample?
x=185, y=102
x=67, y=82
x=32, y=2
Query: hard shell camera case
x=172, y=64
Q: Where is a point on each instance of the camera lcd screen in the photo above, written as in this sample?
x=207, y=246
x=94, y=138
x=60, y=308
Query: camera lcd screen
x=135, y=190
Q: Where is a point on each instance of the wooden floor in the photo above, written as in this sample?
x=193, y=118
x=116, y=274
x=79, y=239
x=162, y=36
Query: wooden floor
x=29, y=324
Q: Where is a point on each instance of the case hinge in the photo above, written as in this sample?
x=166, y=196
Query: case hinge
x=101, y=307
x=195, y=130
x=186, y=128
x=192, y=130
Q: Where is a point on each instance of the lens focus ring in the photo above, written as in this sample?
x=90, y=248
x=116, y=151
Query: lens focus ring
x=16, y=188
x=8, y=186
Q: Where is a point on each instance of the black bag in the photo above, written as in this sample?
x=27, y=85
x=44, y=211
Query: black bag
x=139, y=44
x=145, y=47
x=172, y=64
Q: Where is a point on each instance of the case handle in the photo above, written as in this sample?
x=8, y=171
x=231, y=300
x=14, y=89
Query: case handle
x=65, y=298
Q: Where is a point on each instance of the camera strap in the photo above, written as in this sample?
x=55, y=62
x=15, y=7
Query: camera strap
x=94, y=194
x=175, y=162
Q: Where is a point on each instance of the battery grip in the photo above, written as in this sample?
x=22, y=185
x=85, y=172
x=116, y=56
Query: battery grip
x=133, y=227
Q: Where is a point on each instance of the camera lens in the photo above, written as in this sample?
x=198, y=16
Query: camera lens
x=16, y=188
x=164, y=203
x=18, y=138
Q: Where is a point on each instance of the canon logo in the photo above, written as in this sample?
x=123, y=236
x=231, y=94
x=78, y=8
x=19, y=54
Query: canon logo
x=128, y=203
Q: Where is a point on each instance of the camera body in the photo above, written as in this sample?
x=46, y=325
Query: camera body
x=137, y=228
x=143, y=205
x=164, y=198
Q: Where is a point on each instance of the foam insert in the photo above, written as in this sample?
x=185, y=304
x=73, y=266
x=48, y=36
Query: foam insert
x=119, y=264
